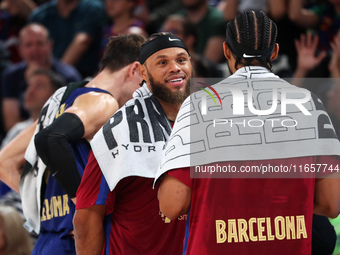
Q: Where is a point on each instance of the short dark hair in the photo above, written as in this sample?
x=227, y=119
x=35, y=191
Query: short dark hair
x=254, y=31
x=121, y=51
x=56, y=80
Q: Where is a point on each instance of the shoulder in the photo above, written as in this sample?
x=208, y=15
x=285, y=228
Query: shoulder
x=101, y=99
x=14, y=72
x=15, y=68
x=43, y=9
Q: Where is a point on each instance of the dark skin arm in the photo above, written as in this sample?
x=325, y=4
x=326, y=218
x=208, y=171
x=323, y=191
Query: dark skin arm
x=88, y=230
x=174, y=197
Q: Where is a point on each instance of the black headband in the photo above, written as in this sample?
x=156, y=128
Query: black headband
x=160, y=43
x=240, y=51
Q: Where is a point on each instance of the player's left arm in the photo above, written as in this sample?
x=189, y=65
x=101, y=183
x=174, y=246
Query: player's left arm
x=326, y=196
x=174, y=197
x=86, y=116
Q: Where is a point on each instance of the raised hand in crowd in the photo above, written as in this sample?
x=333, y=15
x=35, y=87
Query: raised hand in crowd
x=334, y=64
x=307, y=57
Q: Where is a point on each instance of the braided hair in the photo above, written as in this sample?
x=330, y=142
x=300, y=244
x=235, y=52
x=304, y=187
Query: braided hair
x=251, y=36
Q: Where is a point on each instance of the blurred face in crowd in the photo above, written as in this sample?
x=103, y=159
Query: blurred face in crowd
x=35, y=46
x=38, y=91
x=115, y=8
x=168, y=73
x=193, y=4
x=174, y=26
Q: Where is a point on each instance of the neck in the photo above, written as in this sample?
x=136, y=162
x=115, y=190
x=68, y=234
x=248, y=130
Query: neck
x=170, y=110
x=195, y=15
x=110, y=82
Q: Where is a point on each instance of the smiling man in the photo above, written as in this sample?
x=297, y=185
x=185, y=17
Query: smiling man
x=116, y=188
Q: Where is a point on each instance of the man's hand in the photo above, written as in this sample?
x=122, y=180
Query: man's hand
x=306, y=48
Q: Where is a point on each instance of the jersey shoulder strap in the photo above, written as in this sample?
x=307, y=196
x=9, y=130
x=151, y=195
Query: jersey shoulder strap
x=70, y=88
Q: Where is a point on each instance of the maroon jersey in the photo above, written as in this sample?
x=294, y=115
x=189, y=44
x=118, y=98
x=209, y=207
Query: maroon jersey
x=252, y=216
x=134, y=224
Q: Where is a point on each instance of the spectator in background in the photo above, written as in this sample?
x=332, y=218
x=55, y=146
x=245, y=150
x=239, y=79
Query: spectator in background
x=42, y=83
x=231, y=8
x=184, y=29
x=14, y=239
x=210, y=27
x=75, y=27
x=13, y=17
x=324, y=19
x=154, y=12
x=278, y=10
x=122, y=20
x=36, y=51
x=307, y=62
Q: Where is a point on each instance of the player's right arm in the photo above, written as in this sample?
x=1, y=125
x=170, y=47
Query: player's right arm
x=91, y=209
x=327, y=190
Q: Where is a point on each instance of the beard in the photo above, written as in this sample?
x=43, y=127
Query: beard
x=162, y=92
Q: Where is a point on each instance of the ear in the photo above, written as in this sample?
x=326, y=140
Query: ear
x=143, y=72
x=226, y=51
x=131, y=72
x=275, y=52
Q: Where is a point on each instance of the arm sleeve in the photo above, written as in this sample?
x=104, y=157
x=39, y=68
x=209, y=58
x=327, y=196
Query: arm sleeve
x=53, y=147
